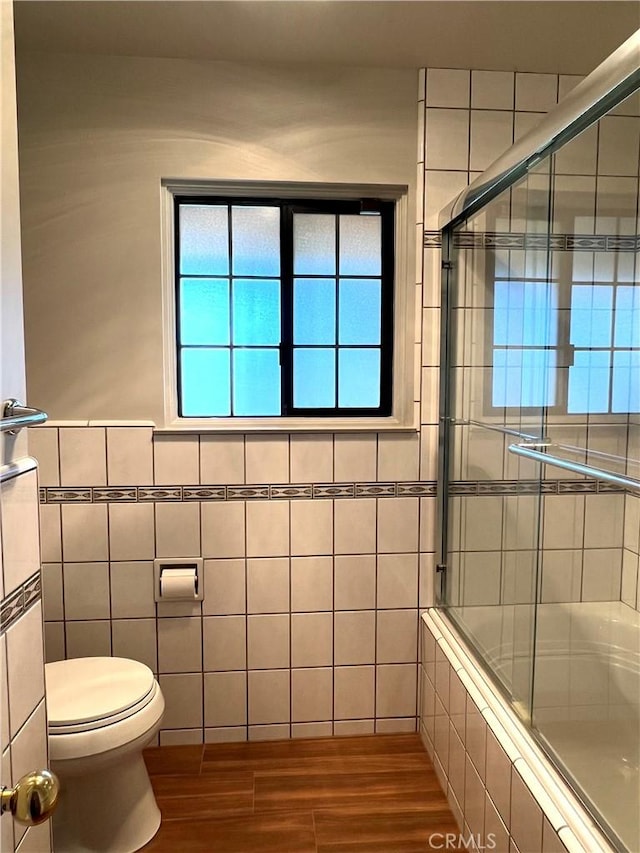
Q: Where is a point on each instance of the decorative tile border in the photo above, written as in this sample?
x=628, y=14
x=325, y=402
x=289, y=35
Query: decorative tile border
x=531, y=487
x=15, y=605
x=317, y=491
x=521, y=240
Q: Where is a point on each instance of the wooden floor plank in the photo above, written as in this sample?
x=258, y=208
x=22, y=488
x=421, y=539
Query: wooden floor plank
x=183, y=797
x=279, y=833
x=371, y=794
x=372, y=829
x=174, y=760
x=410, y=789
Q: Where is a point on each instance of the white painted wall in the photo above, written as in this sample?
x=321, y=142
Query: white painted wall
x=97, y=135
x=12, y=378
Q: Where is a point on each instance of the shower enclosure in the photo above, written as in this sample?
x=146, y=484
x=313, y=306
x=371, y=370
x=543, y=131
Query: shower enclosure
x=540, y=435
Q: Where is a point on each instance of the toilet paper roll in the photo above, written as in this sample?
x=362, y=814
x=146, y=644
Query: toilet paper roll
x=178, y=583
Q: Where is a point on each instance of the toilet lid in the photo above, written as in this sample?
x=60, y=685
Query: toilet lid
x=87, y=690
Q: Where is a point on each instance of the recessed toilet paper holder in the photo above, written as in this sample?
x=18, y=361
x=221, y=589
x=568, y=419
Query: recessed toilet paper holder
x=178, y=579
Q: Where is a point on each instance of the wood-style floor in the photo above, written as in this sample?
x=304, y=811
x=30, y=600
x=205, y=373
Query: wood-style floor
x=374, y=794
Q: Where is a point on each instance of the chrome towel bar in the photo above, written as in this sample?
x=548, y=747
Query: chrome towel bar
x=15, y=416
x=577, y=467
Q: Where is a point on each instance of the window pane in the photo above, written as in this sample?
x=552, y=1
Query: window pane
x=314, y=244
x=591, y=314
x=256, y=382
x=626, y=382
x=359, y=378
x=589, y=382
x=205, y=382
x=360, y=245
x=256, y=312
x=627, y=317
x=314, y=383
x=525, y=313
x=360, y=311
x=524, y=378
x=255, y=236
x=204, y=240
x=314, y=311
x=204, y=311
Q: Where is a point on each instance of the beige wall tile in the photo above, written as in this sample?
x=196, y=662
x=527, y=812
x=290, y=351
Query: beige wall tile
x=268, y=641
x=223, y=529
x=311, y=639
x=269, y=693
x=180, y=645
x=225, y=699
x=355, y=458
x=86, y=590
x=311, y=694
x=224, y=587
x=83, y=456
x=311, y=528
x=183, y=700
x=221, y=459
x=129, y=456
x=136, y=639
x=176, y=460
x=354, y=695
x=267, y=528
x=311, y=458
x=311, y=583
x=355, y=526
x=131, y=531
x=354, y=637
x=225, y=642
x=84, y=532
x=267, y=459
x=355, y=582
x=268, y=586
x=178, y=530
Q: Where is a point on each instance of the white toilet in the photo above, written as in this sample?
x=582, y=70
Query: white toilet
x=102, y=713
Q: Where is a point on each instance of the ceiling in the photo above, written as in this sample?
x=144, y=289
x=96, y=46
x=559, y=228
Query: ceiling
x=545, y=36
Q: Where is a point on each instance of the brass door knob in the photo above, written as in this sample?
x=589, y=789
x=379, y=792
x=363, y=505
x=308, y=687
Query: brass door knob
x=34, y=798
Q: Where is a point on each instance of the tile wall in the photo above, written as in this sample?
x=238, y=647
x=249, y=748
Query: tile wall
x=631, y=552
x=317, y=556
x=468, y=118
x=22, y=709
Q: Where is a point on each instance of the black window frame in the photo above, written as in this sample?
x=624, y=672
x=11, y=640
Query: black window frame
x=289, y=206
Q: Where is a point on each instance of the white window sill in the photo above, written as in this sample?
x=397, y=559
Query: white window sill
x=279, y=425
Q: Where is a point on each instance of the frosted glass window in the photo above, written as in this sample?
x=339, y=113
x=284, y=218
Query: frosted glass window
x=525, y=314
x=283, y=306
x=589, y=382
x=591, y=315
x=360, y=311
x=314, y=244
x=360, y=245
x=314, y=311
x=524, y=378
x=314, y=380
x=205, y=383
x=256, y=382
x=627, y=317
x=204, y=311
x=626, y=382
x=256, y=312
x=359, y=378
x=255, y=237
x=204, y=240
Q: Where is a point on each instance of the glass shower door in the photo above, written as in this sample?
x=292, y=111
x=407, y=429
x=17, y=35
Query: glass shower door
x=502, y=321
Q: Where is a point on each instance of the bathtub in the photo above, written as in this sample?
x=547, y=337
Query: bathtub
x=505, y=777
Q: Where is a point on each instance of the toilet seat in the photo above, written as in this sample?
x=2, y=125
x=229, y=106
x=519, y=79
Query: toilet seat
x=98, y=705
x=87, y=693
